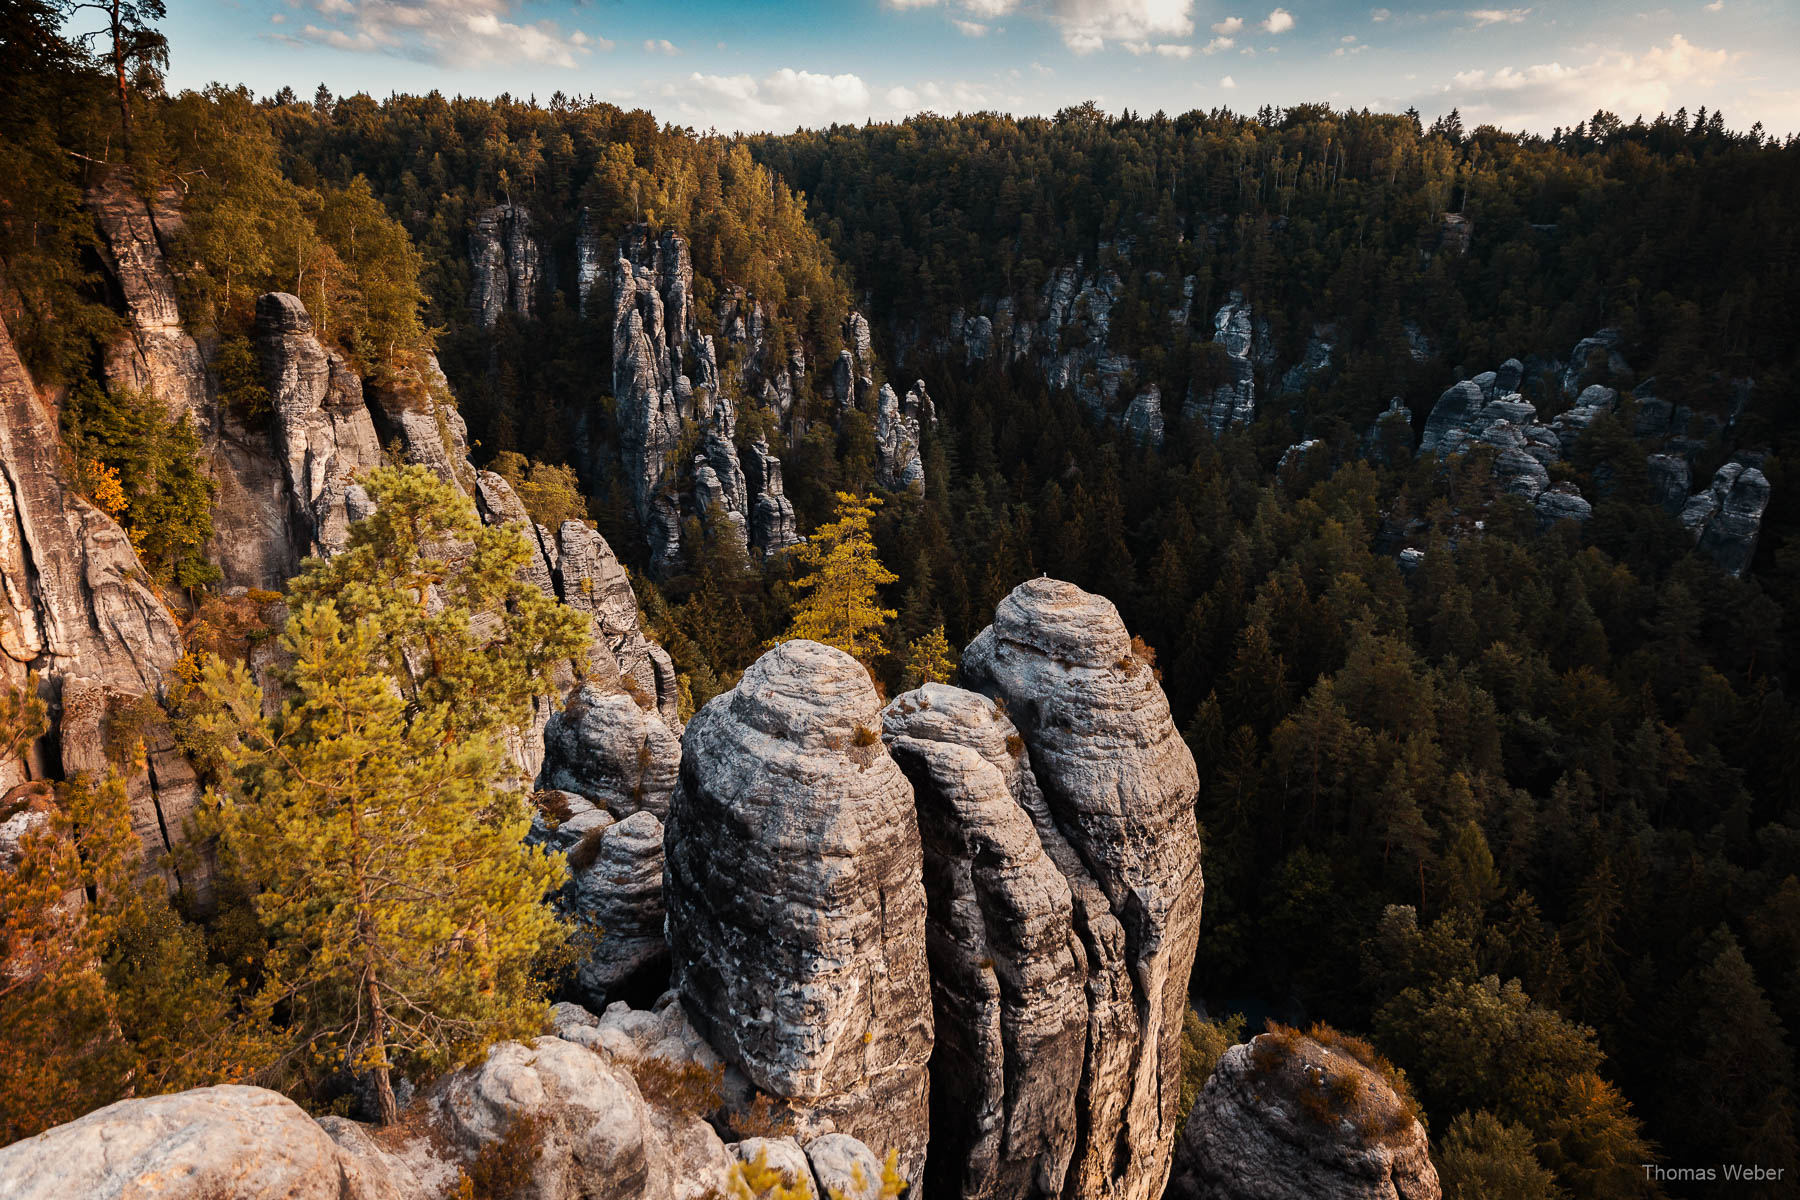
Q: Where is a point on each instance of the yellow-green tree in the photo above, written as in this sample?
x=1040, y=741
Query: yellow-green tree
x=449, y=618
x=929, y=659
x=389, y=871
x=842, y=606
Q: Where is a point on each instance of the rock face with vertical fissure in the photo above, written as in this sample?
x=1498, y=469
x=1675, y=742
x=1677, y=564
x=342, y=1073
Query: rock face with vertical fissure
x=1118, y=787
x=796, y=902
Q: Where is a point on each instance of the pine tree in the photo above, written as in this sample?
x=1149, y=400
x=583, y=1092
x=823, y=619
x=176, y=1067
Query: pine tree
x=843, y=608
x=930, y=659
x=453, y=623
x=390, y=874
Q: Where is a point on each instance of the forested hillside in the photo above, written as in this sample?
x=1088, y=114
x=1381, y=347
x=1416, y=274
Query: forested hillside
x=1500, y=778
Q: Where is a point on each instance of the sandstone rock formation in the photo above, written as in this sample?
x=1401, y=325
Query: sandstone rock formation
x=1144, y=418
x=1388, y=434
x=772, y=524
x=589, y=578
x=796, y=904
x=897, y=465
x=76, y=599
x=324, y=435
x=1008, y=966
x=607, y=748
x=1118, y=787
x=1271, y=1125
x=1726, y=518
x=1232, y=402
x=505, y=263
x=242, y=1142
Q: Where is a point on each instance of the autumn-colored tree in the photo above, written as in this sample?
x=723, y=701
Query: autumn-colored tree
x=451, y=621
x=104, y=992
x=389, y=870
x=843, y=607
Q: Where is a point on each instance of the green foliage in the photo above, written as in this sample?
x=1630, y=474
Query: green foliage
x=467, y=640
x=162, y=481
x=1484, y=1158
x=550, y=492
x=930, y=659
x=241, y=387
x=1202, y=1042
x=403, y=909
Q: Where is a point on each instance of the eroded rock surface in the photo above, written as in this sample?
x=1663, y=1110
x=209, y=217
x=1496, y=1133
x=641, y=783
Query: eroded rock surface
x=1267, y=1127
x=796, y=904
x=505, y=263
x=1118, y=786
x=1008, y=968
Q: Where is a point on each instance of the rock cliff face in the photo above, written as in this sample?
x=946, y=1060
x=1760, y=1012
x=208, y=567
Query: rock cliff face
x=1266, y=1128
x=897, y=430
x=796, y=902
x=772, y=524
x=506, y=264
x=324, y=435
x=1726, y=518
x=1244, y=340
x=76, y=599
x=1008, y=968
x=1118, y=787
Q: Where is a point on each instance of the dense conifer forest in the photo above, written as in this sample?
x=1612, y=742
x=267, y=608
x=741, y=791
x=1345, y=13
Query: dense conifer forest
x=1525, y=816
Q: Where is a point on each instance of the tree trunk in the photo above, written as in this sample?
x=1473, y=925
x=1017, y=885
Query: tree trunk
x=117, y=29
x=388, y=1110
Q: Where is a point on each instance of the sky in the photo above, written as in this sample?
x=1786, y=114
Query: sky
x=768, y=65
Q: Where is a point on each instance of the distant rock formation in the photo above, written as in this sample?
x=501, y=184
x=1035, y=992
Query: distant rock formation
x=1286, y=1118
x=897, y=432
x=796, y=899
x=1726, y=518
x=324, y=435
x=772, y=524
x=1118, y=786
x=506, y=265
x=1244, y=340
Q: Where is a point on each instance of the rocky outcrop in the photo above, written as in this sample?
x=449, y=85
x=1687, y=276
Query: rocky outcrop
x=157, y=356
x=1726, y=518
x=589, y=578
x=772, y=524
x=1118, y=787
x=610, y=749
x=76, y=600
x=415, y=411
x=1009, y=971
x=505, y=263
x=1563, y=502
x=1244, y=340
x=591, y=266
x=796, y=904
x=603, y=1139
x=1670, y=478
x=324, y=435
x=897, y=465
x=1314, y=361
x=244, y=1142
x=1593, y=356
x=1143, y=418
x=665, y=373
x=1271, y=1125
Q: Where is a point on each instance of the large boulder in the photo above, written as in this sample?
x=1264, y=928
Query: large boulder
x=243, y=1142
x=1009, y=973
x=1285, y=1117
x=796, y=904
x=611, y=749
x=1118, y=784
x=1726, y=518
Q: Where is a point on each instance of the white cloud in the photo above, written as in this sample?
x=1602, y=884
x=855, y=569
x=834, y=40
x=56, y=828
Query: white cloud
x=1279, y=21
x=970, y=28
x=781, y=100
x=934, y=97
x=1484, y=17
x=1379, y=14
x=990, y=8
x=1087, y=25
x=1716, y=6
x=1228, y=82
x=454, y=33
x=1218, y=44
x=1347, y=38
x=1547, y=94
x=1344, y=51
x=1174, y=50
x=1229, y=25
x=661, y=46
